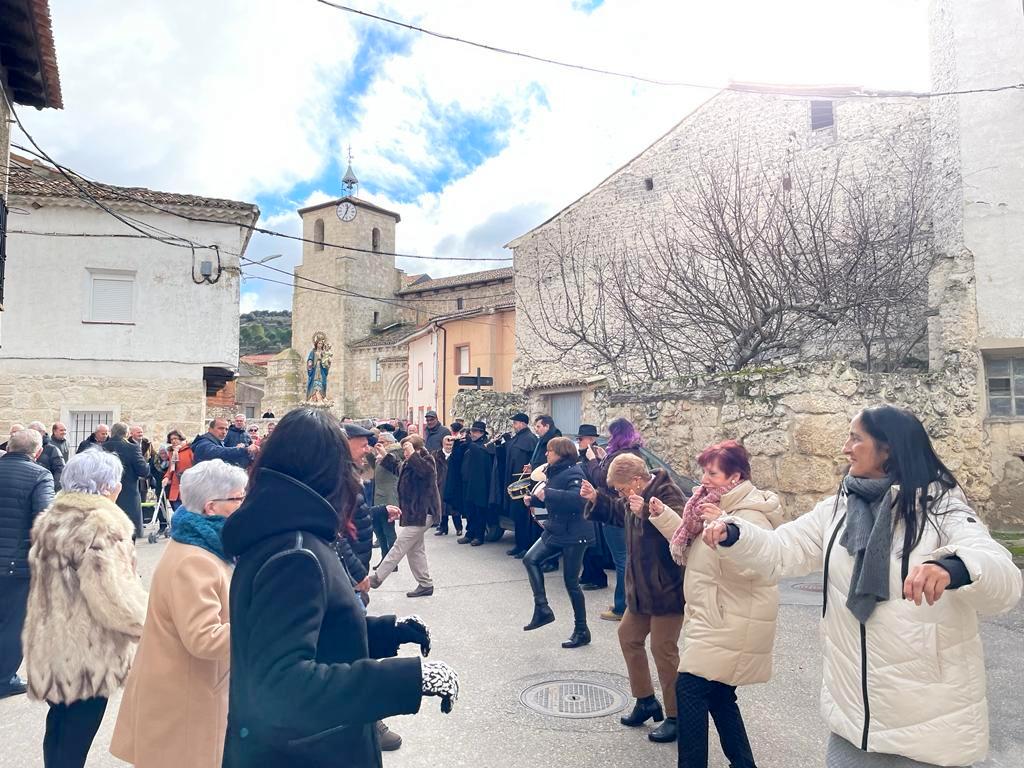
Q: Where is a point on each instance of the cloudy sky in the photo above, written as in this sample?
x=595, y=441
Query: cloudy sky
x=258, y=100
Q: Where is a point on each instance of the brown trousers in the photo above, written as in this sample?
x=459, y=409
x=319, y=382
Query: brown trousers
x=664, y=631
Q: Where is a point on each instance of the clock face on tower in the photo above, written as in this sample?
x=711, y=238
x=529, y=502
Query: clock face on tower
x=346, y=211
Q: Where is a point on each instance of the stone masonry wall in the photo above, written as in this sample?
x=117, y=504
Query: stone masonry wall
x=157, y=405
x=496, y=409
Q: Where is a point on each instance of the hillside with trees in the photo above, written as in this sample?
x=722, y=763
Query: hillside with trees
x=264, y=331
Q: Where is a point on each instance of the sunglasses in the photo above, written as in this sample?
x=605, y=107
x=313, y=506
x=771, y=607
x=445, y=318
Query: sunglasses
x=253, y=431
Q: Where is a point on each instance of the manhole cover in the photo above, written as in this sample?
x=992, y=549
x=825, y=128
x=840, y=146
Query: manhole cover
x=808, y=586
x=573, y=699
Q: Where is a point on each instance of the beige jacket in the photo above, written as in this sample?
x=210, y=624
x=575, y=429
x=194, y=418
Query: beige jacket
x=911, y=681
x=729, y=617
x=175, y=707
x=86, y=603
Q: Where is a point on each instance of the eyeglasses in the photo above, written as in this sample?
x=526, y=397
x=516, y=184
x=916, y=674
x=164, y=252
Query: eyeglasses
x=253, y=431
x=231, y=498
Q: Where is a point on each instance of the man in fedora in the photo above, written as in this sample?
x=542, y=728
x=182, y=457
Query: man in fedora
x=476, y=484
x=595, y=558
x=515, y=449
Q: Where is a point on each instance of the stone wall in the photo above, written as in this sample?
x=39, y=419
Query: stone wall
x=285, y=382
x=157, y=405
x=496, y=409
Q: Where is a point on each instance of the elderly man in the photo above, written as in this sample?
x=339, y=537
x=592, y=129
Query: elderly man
x=236, y=434
x=26, y=489
x=98, y=437
x=211, y=446
x=434, y=432
x=138, y=436
x=14, y=428
x=50, y=457
x=59, y=437
x=130, y=454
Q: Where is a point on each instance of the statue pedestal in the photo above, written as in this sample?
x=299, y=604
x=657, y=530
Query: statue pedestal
x=321, y=404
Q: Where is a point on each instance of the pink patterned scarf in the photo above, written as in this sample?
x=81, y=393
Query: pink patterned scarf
x=692, y=524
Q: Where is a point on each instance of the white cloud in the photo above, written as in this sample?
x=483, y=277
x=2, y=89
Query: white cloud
x=246, y=98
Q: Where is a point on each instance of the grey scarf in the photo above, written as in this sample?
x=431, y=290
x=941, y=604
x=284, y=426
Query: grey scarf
x=868, y=538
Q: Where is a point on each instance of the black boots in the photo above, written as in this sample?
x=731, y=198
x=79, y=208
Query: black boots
x=542, y=615
x=665, y=732
x=580, y=637
x=644, y=709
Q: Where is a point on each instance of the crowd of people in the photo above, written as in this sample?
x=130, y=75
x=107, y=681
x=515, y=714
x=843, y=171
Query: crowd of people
x=254, y=645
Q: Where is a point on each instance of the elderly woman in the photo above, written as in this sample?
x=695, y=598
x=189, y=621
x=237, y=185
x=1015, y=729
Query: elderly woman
x=565, y=531
x=179, y=461
x=654, y=588
x=908, y=566
x=86, y=605
x=624, y=439
x=419, y=506
x=175, y=705
x=729, y=624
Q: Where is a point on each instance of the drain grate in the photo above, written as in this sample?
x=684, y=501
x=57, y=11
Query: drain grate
x=808, y=586
x=574, y=699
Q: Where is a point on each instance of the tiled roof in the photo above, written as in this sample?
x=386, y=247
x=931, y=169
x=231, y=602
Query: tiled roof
x=386, y=337
x=455, y=281
x=501, y=306
x=28, y=56
x=260, y=359
x=34, y=179
x=408, y=280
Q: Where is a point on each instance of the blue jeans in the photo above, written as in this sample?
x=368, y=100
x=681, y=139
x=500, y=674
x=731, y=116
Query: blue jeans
x=615, y=538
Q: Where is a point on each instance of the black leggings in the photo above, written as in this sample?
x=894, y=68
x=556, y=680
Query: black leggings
x=70, y=729
x=571, y=567
x=696, y=697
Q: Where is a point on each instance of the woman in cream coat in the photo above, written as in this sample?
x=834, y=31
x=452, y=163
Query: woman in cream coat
x=175, y=705
x=729, y=616
x=86, y=606
x=908, y=566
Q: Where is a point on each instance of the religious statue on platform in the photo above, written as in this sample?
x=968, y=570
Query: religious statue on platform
x=318, y=363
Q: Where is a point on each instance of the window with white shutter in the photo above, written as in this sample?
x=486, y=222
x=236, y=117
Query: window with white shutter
x=111, y=297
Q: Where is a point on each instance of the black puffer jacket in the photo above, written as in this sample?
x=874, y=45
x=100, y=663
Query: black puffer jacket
x=26, y=489
x=135, y=467
x=52, y=459
x=306, y=687
x=565, y=524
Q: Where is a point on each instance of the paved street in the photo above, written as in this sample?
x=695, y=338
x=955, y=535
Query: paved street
x=476, y=614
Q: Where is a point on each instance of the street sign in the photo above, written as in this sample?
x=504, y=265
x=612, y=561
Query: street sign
x=476, y=381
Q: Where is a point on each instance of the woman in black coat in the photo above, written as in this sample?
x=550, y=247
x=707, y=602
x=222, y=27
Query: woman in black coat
x=565, y=531
x=306, y=685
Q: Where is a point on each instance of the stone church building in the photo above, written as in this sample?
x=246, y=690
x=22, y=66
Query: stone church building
x=348, y=288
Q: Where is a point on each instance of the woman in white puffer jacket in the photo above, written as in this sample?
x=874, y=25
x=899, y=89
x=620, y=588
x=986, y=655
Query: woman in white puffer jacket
x=903, y=673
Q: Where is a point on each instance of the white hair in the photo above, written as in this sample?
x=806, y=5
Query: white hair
x=26, y=441
x=38, y=426
x=93, y=471
x=210, y=480
x=386, y=437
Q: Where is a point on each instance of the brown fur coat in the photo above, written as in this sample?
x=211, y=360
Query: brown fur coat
x=86, y=603
x=417, y=490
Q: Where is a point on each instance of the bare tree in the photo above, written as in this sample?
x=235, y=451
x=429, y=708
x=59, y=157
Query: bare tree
x=750, y=263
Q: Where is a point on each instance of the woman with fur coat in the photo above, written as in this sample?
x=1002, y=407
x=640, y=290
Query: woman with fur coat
x=86, y=606
x=420, y=507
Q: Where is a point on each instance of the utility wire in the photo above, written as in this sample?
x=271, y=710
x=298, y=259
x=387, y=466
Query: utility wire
x=650, y=80
x=121, y=194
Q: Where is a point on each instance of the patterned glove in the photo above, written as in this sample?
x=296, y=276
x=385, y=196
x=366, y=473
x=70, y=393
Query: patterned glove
x=441, y=680
x=411, y=629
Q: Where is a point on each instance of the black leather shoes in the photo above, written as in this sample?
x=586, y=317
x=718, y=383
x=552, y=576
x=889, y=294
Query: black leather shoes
x=520, y=555
x=580, y=637
x=592, y=587
x=645, y=709
x=465, y=540
x=513, y=552
x=542, y=614
x=476, y=543
x=665, y=732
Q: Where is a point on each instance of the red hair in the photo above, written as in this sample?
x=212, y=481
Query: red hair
x=729, y=455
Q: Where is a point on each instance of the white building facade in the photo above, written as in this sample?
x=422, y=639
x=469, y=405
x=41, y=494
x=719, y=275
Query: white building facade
x=103, y=324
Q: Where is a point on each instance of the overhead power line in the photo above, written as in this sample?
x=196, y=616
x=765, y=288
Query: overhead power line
x=126, y=196
x=639, y=78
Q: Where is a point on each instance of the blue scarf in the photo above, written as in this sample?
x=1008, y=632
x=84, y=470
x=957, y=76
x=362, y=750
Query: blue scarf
x=201, y=531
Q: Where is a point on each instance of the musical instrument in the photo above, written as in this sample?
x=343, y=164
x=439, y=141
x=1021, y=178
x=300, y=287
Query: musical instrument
x=526, y=484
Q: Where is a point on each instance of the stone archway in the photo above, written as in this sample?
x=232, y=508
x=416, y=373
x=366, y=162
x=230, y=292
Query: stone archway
x=396, y=396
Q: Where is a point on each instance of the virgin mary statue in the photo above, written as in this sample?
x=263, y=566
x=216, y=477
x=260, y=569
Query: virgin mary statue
x=318, y=363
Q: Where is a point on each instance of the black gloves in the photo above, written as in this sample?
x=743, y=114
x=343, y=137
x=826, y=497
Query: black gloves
x=440, y=680
x=411, y=629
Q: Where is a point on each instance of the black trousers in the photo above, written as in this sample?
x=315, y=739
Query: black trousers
x=70, y=729
x=450, y=512
x=13, y=604
x=476, y=521
x=526, y=529
x=573, y=563
x=696, y=697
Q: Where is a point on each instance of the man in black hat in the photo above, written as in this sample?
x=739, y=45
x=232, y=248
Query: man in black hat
x=434, y=432
x=517, y=448
x=586, y=440
x=593, y=575
x=476, y=484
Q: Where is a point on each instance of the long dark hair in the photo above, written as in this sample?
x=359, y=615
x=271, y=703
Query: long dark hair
x=310, y=446
x=913, y=465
